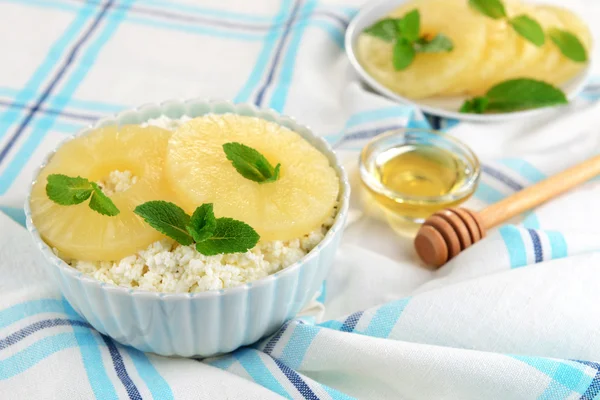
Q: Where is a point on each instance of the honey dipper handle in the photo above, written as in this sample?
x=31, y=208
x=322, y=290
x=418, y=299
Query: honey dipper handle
x=537, y=194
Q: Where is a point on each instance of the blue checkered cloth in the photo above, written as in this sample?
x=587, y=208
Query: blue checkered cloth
x=514, y=317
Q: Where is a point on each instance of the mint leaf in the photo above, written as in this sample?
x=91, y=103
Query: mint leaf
x=404, y=54
x=275, y=174
x=410, y=25
x=492, y=8
x=477, y=105
x=67, y=191
x=167, y=218
x=102, y=203
x=528, y=28
x=516, y=94
x=230, y=236
x=520, y=94
x=203, y=223
x=387, y=29
x=568, y=44
x=438, y=44
x=250, y=163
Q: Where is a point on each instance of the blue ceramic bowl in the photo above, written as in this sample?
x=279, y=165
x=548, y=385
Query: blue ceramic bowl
x=206, y=323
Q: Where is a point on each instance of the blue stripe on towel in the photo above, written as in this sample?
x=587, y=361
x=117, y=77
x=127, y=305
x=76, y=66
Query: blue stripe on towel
x=10, y=116
x=38, y=351
x=558, y=244
x=351, y=321
x=567, y=374
x=594, y=388
x=514, y=245
x=223, y=362
x=297, y=381
x=29, y=308
x=295, y=350
x=364, y=117
x=274, y=64
x=281, y=90
x=91, y=357
x=157, y=385
x=531, y=221
x=264, y=55
x=335, y=395
x=16, y=214
x=385, y=318
x=258, y=371
x=488, y=194
x=537, y=245
x=38, y=326
x=120, y=369
x=524, y=168
x=61, y=71
x=275, y=338
x=189, y=8
x=502, y=177
x=48, y=4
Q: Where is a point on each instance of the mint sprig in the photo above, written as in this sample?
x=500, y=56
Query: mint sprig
x=531, y=30
x=167, y=218
x=387, y=29
x=101, y=203
x=410, y=25
x=250, y=163
x=491, y=8
x=202, y=225
x=68, y=191
x=403, y=55
x=523, y=25
x=514, y=95
x=404, y=33
x=528, y=28
x=569, y=45
x=211, y=235
x=439, y=43
x=229, y=236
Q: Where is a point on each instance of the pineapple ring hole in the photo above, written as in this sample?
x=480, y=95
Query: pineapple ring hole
x=117, y=181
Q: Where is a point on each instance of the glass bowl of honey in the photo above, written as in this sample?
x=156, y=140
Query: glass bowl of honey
x=413, y=173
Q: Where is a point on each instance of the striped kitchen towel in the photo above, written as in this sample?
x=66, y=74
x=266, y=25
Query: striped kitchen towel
x=514, y=317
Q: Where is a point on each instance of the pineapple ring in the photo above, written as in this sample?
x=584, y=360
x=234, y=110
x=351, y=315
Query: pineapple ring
x=567, y=68
x=544, y=66
x=77, y=231
x=430, y=73
x=503, y=47
x=297, y=203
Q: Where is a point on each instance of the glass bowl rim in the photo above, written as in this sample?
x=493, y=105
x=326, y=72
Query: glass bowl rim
x=465, y=190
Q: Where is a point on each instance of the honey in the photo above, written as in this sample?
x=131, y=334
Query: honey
x=417, y=170
x=415, y=175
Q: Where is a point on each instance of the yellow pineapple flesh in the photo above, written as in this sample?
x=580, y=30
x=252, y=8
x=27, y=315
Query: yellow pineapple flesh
x=297, y=203
x=568, y=68
x=77, y=231
x=430, y=73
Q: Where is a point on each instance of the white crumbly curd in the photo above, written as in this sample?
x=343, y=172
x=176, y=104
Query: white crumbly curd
x=117, y=181
x=167, y=266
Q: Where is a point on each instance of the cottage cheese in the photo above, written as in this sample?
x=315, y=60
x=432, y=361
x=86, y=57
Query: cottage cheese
x=166, y=266
x=117, y=181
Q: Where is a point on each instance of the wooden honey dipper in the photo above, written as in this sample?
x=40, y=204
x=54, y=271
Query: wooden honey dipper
x=446, y=233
